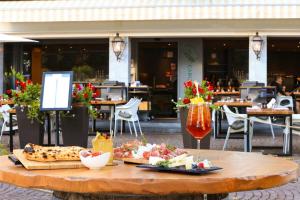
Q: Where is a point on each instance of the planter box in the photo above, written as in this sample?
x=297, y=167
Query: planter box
x=75, y=127
x=188, y=141
x=30, y=131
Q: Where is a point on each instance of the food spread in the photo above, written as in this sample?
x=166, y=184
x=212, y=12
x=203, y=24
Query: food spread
x=139, y=150
x=49, y=154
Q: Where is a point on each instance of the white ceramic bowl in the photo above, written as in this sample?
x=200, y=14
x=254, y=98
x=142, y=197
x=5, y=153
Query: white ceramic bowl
x=96, y=162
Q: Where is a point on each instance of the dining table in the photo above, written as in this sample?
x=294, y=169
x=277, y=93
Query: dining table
x=112, y=105
x=218, y=118
x=240, y=171
x=272, y=112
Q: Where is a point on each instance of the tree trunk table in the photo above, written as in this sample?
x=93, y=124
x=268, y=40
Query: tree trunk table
x=241, y=171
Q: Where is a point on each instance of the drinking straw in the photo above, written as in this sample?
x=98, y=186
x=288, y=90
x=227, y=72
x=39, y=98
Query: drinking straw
x=197, y=85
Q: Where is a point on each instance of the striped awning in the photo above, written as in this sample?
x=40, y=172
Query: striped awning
x=126, y=10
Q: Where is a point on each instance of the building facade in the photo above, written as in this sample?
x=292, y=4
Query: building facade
x=189, y=31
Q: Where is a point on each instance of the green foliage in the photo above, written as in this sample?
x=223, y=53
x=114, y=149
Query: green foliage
x=27, y=95
x=3, y=150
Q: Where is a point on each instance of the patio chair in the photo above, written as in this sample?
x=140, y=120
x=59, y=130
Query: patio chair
x=265, y=119
x=285, y=102
x=128, y=112
x=237, y=123
x=5, y=115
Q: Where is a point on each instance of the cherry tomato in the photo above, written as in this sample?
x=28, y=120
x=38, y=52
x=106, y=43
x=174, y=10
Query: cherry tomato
x=201, y=165
x=94, y=154
x=146, y=155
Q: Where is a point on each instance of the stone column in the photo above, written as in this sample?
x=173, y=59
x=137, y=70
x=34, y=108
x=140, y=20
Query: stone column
x=120, y=70
x=1, y=67
x=190, y=61
x=258, y=68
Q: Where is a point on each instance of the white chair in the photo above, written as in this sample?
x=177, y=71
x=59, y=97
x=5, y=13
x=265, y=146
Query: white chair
x=266, y=119
x=285, y=102
x=5, y=115
x=128, y=112
x=237, y=123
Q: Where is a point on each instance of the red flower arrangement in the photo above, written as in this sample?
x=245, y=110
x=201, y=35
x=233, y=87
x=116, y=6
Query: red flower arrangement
x=84, y=95
x=205, y=91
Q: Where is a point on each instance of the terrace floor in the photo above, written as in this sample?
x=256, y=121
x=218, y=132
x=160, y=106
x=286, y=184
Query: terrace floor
x=169, y=132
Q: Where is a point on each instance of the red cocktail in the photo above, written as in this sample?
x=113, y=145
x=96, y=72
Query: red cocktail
x=199, y=121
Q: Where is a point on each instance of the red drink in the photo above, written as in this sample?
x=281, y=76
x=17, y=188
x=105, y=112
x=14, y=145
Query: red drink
x=199, y=120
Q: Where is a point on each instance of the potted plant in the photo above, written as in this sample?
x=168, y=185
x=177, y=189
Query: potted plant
x=26, y=97
x=75, y=123
x=190, y=92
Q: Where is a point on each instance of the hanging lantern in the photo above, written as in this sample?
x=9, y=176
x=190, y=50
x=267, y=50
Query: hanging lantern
x=118, y=46
x=257, y=45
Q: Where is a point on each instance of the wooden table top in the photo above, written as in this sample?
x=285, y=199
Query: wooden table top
x=234, y=103
x=9, y=102
x=12, y=111
x=241, y=171
x=98, y=102
x=269, y=111
x=237, y=93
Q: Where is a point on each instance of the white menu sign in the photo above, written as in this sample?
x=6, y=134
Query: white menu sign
x=56, y=91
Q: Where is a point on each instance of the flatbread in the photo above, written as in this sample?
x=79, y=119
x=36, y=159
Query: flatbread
x=49, y=154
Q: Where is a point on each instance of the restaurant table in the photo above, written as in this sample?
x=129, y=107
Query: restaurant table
x=271, y=112
x=235, y=93
x=112, y=105
x=217, y=120
x=241, y=172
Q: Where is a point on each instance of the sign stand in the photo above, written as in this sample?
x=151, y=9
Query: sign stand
x=56, y=95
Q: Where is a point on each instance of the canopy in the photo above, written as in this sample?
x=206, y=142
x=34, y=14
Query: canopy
x=128, y=10
x=12, y=38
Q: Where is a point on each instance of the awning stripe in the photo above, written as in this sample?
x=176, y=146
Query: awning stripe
x=110, y=10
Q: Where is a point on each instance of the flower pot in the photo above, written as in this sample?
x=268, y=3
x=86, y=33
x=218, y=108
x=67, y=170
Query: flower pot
x=188, y=140
x=30, y=131
x=75, y=126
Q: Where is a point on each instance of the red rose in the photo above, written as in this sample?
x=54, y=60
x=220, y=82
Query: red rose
x=23, y=85
x=208, y=98
x=8, y=92
x=17, y=82
x=201, y=90
x=186, y=101
x=29, y=81
x=188, y=84
x=78, y=86
x=90, y=85
x=194, y=91
x=210, y=88
x=86, y=95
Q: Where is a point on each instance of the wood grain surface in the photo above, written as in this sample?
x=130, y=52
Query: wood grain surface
x=227, y=93
x=28, y=164
x=241, y=171
x=234, y=104
x=108, y=102
x=269, y=111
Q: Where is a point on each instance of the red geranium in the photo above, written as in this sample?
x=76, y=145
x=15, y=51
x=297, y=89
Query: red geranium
x=208, y=98
x=186, y=101
x=86, y=95
x=17, y=82
x=188, y=84
x=201, y=90
x=8, y=92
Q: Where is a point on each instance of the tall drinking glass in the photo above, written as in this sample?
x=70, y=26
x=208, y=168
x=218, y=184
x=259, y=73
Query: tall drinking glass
x=199, y=121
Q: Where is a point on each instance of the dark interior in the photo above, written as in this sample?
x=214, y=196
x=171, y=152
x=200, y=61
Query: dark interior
x=226, y=59
x=157, y=67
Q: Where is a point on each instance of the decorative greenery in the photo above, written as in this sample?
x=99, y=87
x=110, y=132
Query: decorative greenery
x=82, y=72
x=3, y=150
x=84, y=95
x=204, y=93
x=26, y=95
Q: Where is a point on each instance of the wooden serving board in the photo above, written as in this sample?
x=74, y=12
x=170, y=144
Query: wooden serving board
x=28, y=164
x=135, y=161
